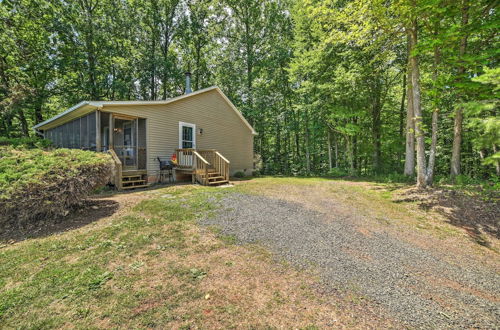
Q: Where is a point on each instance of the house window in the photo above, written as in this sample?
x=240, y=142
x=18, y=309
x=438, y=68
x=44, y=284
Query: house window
x=187, y=136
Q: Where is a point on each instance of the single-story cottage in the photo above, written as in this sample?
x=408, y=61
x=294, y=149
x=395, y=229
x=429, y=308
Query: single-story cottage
x=209, y=137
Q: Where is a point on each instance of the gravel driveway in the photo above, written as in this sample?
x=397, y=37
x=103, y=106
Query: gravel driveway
x=421, y=288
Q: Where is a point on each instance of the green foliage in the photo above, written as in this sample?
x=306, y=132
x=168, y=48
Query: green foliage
x=36, y=184
x=25, y=142
x=483, y=118
x=337, y=173
x=239, y=174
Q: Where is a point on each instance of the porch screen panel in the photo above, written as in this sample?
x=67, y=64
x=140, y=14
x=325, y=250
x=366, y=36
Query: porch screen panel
x=69, y=137
x=79, y=133
x=91, y=124
x=48, y=135
x=52, y=137
x=65, y=136
x=84, y=134
x=56, y=136
x=76, y=133
x=59, y=136
x=71, y=134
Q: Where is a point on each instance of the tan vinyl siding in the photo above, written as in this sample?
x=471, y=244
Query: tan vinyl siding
x=223, y=130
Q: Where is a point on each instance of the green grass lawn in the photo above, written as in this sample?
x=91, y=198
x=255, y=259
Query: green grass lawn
x=65, y=278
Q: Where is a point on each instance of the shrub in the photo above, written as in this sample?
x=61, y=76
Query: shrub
x=239, y=174
x=38, y=185
x=392, y=178
x=256, y=173
x=25, y=142
x=337, y=172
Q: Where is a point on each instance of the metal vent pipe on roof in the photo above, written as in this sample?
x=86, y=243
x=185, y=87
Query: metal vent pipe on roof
x=188, y=83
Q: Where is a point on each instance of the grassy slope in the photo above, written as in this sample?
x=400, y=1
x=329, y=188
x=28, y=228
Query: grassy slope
x=153, y=266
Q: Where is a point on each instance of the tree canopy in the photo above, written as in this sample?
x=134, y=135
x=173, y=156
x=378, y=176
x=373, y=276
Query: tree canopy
x=331, y=86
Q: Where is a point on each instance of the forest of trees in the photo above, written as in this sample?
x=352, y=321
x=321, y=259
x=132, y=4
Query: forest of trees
x=331, y=86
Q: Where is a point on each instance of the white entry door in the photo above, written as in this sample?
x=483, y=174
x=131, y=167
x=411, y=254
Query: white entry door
x=187, y=136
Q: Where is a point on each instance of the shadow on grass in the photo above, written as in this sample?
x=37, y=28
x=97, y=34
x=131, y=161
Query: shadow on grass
x=90, y=211
x=476, y=216
x=461, y=208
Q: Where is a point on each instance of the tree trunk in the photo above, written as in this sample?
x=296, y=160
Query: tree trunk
x=277, y=149
x=153, y=67
x=432, y=154
x=409, y=169
x=336, y=152
x=297, y=139
x=435, y=117
x=88, y=9
x=307, y=146
x=329, y=144
x=457, y=126
x=350, y=155
x=497, y=163
x=376, y=123
x=401, y=116
x=38, y=112
x=24, y=122
x=417, y=110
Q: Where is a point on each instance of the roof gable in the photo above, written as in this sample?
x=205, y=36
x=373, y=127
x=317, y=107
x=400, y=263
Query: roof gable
x=93, y=105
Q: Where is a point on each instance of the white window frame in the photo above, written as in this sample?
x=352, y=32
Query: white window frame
x=183, y=124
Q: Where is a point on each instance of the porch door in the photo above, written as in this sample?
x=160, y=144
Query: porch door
x=187, y=136
x=125, y=142
x=187, y=140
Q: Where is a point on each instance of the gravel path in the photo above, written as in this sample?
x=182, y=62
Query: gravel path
x=416, y=286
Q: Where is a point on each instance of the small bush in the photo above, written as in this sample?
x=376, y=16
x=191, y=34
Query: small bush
x=239, y=174
x=464, y=180
x=255, y=173
x=337, y=173
x=25, y=142
x=37, y=185
x=393, y=178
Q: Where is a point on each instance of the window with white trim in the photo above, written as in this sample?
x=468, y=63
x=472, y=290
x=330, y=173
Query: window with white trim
x=187, y=135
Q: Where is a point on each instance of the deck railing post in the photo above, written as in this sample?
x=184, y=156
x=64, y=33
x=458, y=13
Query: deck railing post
x=206, y=175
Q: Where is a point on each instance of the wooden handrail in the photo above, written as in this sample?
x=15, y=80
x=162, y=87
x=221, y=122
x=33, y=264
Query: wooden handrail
x=201, y=157
x=221, y=165
x=223, y=158
x=118, y=169
x=200, y=168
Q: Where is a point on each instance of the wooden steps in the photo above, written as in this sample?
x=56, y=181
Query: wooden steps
x=134, y=181
x=207, y=167
x=215, y=178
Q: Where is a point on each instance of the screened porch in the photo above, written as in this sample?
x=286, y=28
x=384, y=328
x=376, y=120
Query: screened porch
x=102, y=131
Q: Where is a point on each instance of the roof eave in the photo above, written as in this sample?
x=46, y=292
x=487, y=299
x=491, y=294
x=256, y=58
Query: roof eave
x=62, y=114
x=100, y=104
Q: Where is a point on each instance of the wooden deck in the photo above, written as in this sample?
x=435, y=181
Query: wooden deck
x=206, y=167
